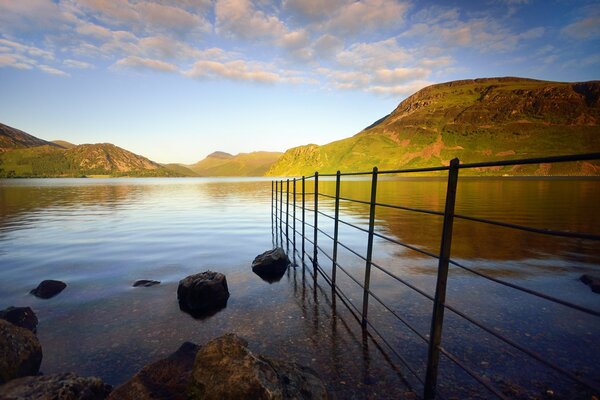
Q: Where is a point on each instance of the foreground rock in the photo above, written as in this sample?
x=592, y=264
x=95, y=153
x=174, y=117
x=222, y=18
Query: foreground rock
x=226, y=369
x=48, y=288
x=165, y=379
x=55, y=387
x=23, y=317
x=271, y=265
x=202, y=295
x=20, y=352
x=145, y=283
x=592, y=281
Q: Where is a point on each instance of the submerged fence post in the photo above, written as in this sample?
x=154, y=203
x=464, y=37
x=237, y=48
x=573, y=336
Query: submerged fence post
x=294, y=219
x=335, y=230
x=316, y=221
x=287, y=211
x=303, y=215
x=369, y=248
x=437, y=317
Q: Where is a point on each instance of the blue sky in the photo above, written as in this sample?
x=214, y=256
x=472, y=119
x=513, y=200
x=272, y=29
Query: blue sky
x=177, y=80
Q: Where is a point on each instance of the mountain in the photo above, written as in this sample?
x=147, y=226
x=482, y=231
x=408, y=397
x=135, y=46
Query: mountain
x=24, y=155
x=244, y=164
x=476, y=120
x=11, y=138
x=180, y=169
x=64, y=144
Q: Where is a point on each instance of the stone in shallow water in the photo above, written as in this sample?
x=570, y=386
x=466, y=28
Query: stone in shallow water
x=166, y=379
x=226, y=369
x=23, y=317
x=48, y=288
x=67, y=386
x=20, y=352
x=204, y=294
x=271, y=265
x=592, y=281
x=145, y=283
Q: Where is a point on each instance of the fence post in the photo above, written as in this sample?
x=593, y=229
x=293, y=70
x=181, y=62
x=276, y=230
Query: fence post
x=276, y=206
x=437, y=317
x=272, y=200
x=294, y=219
x=303, y=219
x=287, y=211
x=281, y=210
x=316, y=221
x=369, y=247
x=335, y=230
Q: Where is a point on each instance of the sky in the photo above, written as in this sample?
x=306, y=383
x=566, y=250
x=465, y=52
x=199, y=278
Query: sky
x=177, y=80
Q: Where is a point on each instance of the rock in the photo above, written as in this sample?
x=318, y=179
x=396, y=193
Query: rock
x=66, y=386
x=23, y=317
x=271, y=265
x=48, y=288
x=165, y=379
x=20, y=352
x=226, y=369
x=145, y=283
x=592, y=281
x=204, y=294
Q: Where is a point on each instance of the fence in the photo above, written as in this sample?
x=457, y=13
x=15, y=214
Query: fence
x=281, y=224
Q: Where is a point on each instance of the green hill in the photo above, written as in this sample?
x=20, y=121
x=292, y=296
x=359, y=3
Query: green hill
x=64, y=144
x=180, y=169
x=475, y=120
x=24, y=155
x=244, y=164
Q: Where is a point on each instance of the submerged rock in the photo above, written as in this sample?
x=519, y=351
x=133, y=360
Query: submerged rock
x=202, y=295
x=271, y=265
x=66, y=386
x=145, y=283
x=48, y=288
x=592, y=281
x=23, y=317
x=166, y=379
x=20, y=352
x=226, y=369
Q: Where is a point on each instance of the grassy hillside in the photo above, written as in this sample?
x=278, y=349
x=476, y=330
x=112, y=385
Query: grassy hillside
x=12, y=138
x=180, y=169
x=244, y=164
x=64, y=144
x=475, y=120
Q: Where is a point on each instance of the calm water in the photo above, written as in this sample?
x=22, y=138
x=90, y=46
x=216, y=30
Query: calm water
x=100, y=235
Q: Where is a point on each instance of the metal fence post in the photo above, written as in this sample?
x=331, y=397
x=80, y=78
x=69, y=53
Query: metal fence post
x=316, y=221
x=287, y=211
x=276, y=206
x=272, y=200
x=437, y=317
x=303, y=215
x=281, y=210
x=335, y=230
x=369, y=247
x=294, y=219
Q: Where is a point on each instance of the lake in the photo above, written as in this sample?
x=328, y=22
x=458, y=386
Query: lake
x=100, y=235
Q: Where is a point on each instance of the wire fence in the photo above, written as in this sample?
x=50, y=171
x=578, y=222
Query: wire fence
x=309, y=232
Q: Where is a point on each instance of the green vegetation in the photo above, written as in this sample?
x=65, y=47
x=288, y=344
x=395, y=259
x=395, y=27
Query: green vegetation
x=475, y=120
x=244, y=164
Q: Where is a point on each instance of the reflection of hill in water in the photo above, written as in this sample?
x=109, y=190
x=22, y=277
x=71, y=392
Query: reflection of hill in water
x=560, y=204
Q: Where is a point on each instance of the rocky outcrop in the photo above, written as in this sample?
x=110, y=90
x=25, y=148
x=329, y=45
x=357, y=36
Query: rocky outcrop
x=145, y=283
x=226, y=369
x=202, y=295
x=592, y=281
x=48, y=288
x=20, y=352
x=66, y=386
x=23, y=317
x=271, y=265
x=166, y=379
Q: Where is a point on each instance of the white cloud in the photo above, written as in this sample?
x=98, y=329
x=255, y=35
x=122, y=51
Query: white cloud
x=77, y=64
x=358, y=16
x=239, y=18
x=52, y=71
x=585, y=28
x=238, y=70
x=135, y=62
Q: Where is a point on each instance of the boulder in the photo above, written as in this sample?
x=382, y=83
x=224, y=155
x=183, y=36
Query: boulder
x=166, y=379
x=66, y=386
x=271, y=265
x=23, y=317
x=20, y=352
x=592, y=281
x=145, y=283
x=48, y=288
x=204, y=294
x=226, y=369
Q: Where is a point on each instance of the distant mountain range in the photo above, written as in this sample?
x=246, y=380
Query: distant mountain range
x=476, y=120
